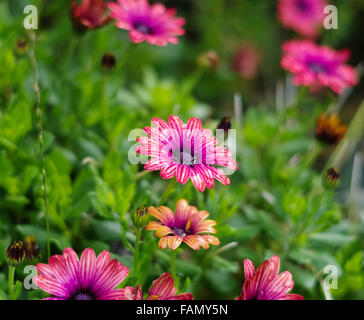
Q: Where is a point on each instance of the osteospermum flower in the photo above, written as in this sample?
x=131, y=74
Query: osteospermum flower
x=186, y=151
x=246, y=61
x=151, y=23
x=186, y=225
x=329, y=128
x=162, y=289
x=314, y=65
x=89, y=14
x=304, y=16
x=90, y=278
x=265, y=283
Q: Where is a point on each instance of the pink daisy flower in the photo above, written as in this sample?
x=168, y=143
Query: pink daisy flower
x=185, y=151
x=314, y=65
x=186, y=225
x=162, y=289
x=90, y=278
x=152, y=23
x=304, y=16
x=265, y=283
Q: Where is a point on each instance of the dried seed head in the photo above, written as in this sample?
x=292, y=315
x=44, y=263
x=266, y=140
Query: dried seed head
x=331, y=178
x=141, y=217
x=15, y=253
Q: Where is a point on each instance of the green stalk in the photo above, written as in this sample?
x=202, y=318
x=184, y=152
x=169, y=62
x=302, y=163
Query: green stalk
x=173, y=268
x=137, y=254
x=11, y=282
x=38, y=112
x=166, y=193
x=352, y=138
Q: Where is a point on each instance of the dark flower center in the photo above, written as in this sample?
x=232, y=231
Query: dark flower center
x=83, y=296
x=302, y=5
x=143, y=28
x=179, y=232
x=317, y=67
x=183, y=158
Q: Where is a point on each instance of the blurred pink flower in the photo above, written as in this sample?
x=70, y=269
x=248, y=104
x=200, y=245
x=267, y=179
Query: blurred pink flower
x=314, y=65
x=152, y=23
x=246, y=61
x=304, y=16
x=186, y=151
x=89, y=14
x=90, y=278
x=162, y=289
x=265, y=283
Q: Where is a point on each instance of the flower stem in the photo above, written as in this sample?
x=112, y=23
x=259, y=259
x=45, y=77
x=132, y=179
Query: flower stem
x=166, y=193
x=38, y=112
x=173, y=268
x=137, y=254
x=141, y=174
x=11, y=282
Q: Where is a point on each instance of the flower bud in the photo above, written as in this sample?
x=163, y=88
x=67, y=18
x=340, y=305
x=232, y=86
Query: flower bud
x=209, y=59
x=21, y=47
x=331, y=178
x=225, y=124
x=15, y=253
x=141, y=217
x=108, y=61
x=32, y=251
x=329, y=129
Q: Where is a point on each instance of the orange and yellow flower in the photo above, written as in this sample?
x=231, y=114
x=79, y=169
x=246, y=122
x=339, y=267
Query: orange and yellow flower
x=186, y=225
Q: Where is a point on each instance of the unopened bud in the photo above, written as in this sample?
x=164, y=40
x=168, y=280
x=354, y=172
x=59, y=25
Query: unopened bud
x=141, y=217
x=15, y=253
x=331, y=178
x=209, y=59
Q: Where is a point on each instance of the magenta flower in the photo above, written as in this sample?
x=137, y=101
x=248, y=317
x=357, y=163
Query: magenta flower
x=185, y=151
x=304, y=16
x=152, y=23
x=162, y=289
x=265, y=283
x=90, y=278
x=314, y=65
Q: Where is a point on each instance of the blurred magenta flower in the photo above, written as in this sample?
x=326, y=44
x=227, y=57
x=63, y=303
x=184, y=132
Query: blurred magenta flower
x=186, y=225
x=162, y=289
x=314, y=65
x=246, y=61
x=186, y=151
x=304, y=16
x=90, y=278
x=89, y=14
x=265, y=283
x=151, y=23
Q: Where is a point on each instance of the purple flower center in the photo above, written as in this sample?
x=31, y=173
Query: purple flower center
x=83, y=296
x=143, y=28
x=181, y=232
x=183, y=157
x=317, y=67
x=302, y=5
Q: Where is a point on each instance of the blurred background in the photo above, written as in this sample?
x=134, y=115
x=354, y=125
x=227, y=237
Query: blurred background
x=276, y=203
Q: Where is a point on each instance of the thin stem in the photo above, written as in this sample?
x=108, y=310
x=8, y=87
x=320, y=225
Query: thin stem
x=173, y=268
x=124, y=240
x=128, y=52
x=38, y=112
x=137, y=253
x=11, y=282
x=166, y=193
x=141, y=174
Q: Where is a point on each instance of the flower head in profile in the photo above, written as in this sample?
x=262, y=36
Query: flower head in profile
x=329, y=129
x=246, y=61
x=265, y=283
x=90, y=278
x=89, y=14
x=151, y=23
x=162, y=289
x=186, y=225
x=304, y=16
x=314, y=65
x=186, y=151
